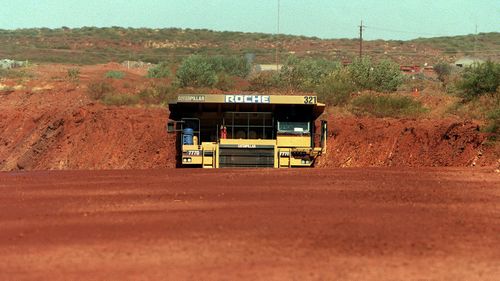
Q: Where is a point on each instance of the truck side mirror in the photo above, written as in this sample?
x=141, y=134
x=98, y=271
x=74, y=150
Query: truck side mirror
x=171, y=126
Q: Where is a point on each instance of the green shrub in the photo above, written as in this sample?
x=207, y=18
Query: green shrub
x=443, y=70
x=230, y=65
x=305, y=74
x=361, y=73
x=196, y=71
x=336, y=88
x=264, y=81
x=162, y=70
x=157, y=94
x=386, y=106
x=97, y=90
x=493, y=125
x=114, y=74
x=387, y=76
x=224, y=82
x=73, y=74
x=480, y=79
x=477, y=108
x=203, y=71
x=16, y=74
x=383, y=77
x=119, y=99
x=421, y=82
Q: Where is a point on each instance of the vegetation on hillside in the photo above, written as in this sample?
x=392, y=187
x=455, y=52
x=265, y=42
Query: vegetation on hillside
x=152, y=94
x=480, y=79
x=386, y=106
x=90, y=45
x=161, y=70
x=329, y=78
x=204, y=71
x=115, y=74
x=208, y=59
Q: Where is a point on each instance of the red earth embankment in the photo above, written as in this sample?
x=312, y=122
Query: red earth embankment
x=48, y=122
x=98, y=137
x=361, y=142
x=89, y=137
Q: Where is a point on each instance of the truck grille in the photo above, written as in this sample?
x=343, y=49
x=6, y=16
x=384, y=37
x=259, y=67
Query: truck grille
x=230, y=157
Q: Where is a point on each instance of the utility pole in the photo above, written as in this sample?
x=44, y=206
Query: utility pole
x=277, y=39
x=475, y=42
x=361, y=26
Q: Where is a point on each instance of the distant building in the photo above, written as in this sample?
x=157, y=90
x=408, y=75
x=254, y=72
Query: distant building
x=267, y=67
x=8, y=64
x=468, y=61
x=136, y=64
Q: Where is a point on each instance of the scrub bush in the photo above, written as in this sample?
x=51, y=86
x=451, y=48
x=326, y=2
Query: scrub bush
x=73, y=74
x=196, y=71
x=119, y=99
x=305, y=74
x=384, y=76
x=480, y=79
x=162, y=70
x=336, y=88
x=98, y=89
x=386, y=106
x=114, y=74
x=157, y=94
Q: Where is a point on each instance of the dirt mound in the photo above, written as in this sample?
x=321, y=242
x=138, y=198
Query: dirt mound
x=50, y=123
x=90, y=137
x=389, y=142
x=99, y=137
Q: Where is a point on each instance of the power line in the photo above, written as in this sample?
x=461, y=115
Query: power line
x=402, y=31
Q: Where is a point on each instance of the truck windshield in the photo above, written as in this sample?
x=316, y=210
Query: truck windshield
x=293, y=127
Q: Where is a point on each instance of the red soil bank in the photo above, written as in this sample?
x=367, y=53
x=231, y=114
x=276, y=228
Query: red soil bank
x=98, y=137
x=390, y=142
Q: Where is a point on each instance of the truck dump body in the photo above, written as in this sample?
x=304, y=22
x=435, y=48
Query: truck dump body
x=242, y=130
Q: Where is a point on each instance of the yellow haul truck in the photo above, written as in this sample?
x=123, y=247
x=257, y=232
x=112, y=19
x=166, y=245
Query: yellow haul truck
x=247, y=130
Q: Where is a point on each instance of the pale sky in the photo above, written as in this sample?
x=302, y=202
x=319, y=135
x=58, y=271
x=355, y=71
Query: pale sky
x=389, y=19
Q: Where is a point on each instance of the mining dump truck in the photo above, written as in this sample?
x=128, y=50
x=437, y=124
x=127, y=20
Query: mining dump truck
x=247, y=130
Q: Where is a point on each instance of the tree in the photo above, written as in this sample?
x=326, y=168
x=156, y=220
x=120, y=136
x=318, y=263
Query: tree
x=336, y=88
x=162, y=70
x=230, y=65
x=305, y=74
x=480, y=79
x=443, y=70
x=384, y=76
x=196, y=71
x=361, y=73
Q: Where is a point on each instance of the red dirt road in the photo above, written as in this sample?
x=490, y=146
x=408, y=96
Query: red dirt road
x=314, y=224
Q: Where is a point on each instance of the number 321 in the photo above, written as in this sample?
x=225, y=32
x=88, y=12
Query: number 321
x=310, y=99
